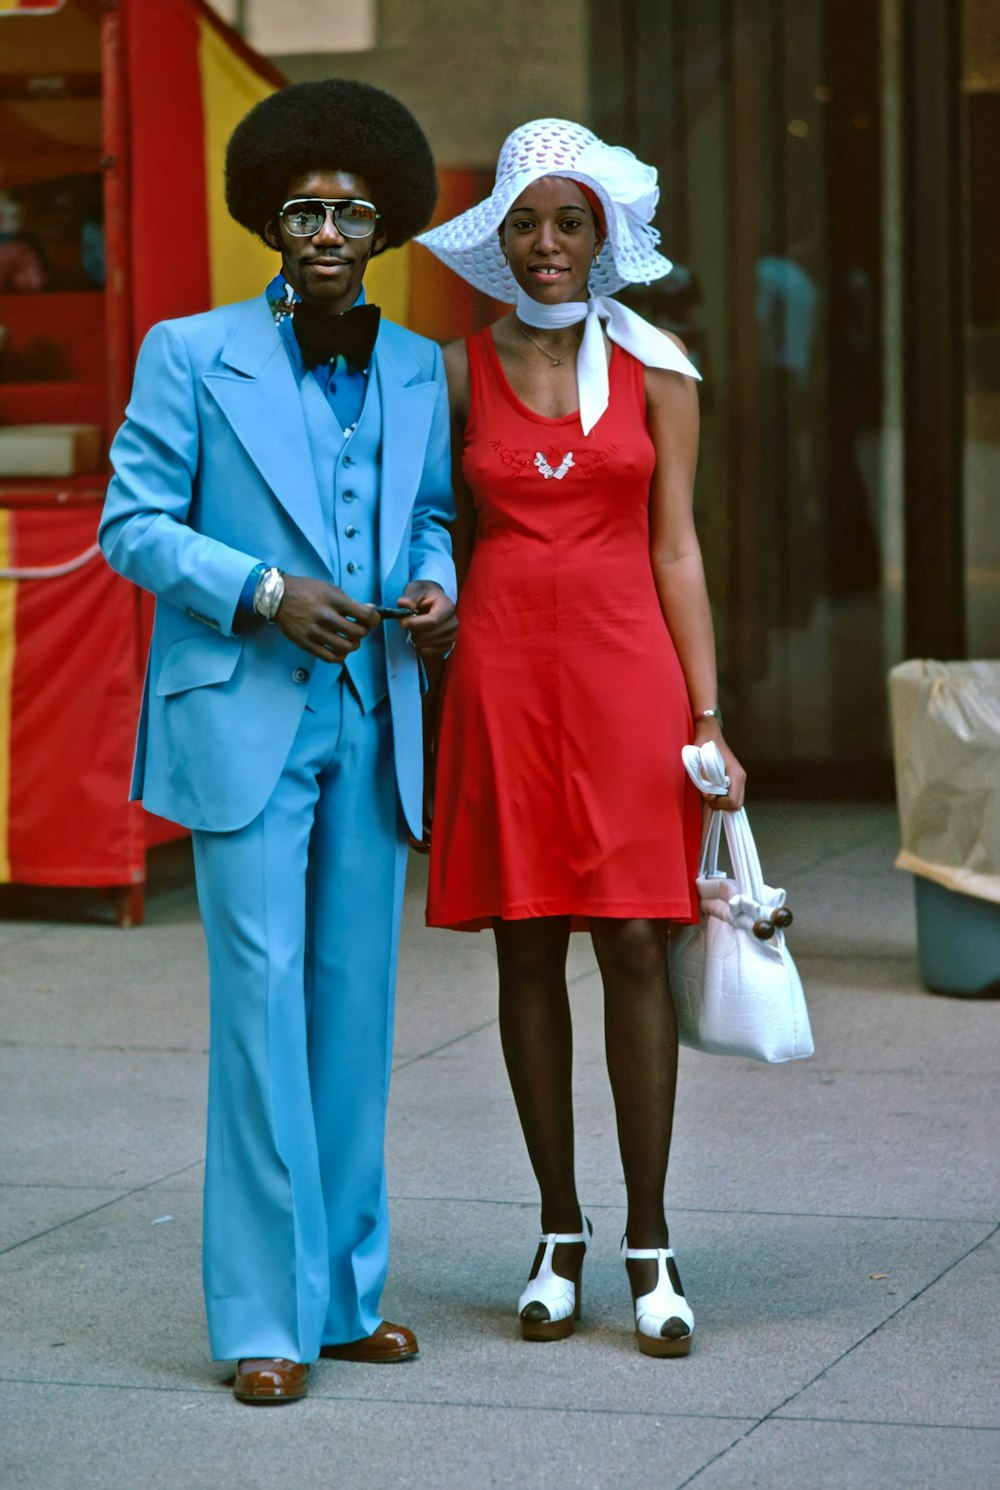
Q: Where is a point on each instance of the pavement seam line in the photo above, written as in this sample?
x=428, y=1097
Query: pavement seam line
x=478, y=1029
x=686, y=1210
x=894, y=1423
x=41, y=1185
x=338, y=1397
x=869, y=1334
x=590, y=972
x=425, y=1055
x=93, y=1210
x=101, y=1049
x=610, y=1412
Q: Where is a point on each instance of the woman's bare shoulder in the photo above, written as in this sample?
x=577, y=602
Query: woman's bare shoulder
x=663, y=385
x=674, y=338
x=456, y=355
x=456, y=366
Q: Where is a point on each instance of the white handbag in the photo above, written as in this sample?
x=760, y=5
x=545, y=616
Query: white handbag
x=734, y=984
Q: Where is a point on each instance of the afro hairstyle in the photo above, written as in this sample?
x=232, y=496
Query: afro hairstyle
x=338, y=125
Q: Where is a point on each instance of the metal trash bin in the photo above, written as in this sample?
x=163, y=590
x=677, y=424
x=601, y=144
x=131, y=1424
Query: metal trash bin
x=946, y=736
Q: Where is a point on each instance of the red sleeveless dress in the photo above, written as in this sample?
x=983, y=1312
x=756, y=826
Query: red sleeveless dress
x=560, y=789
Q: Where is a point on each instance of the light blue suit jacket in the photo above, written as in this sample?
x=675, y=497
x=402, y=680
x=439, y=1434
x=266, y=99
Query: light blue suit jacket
x=213, y=474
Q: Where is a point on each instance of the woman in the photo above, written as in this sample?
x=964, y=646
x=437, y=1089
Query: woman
x=586, y=651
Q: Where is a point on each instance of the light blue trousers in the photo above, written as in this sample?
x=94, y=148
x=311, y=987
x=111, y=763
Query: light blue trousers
x=301, y=911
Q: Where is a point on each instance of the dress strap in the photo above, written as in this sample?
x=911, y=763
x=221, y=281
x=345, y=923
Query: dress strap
x=481, y=371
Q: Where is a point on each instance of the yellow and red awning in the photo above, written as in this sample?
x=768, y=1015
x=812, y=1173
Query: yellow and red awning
x=30, y=7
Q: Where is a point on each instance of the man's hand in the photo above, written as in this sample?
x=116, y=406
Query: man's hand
x=321, y=619
x=435, y=624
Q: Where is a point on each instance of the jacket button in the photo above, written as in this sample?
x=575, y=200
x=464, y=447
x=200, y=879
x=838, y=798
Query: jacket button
x=300, y=674
x=353, y=568
x=351, y=531
x=348, y=460
x=348, y=496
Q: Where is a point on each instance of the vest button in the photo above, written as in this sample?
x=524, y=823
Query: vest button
x=353, y=568
x=348, y=496
x=300, y=674
x=348, y=460
x=351, y=531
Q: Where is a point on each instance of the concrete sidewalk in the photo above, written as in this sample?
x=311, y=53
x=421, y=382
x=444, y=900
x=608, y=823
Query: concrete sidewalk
x=835, y=1223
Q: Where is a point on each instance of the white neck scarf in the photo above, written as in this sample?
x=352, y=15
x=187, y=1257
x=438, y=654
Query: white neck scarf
x=627, y=329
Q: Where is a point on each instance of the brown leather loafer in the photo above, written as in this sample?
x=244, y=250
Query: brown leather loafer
x=390, y=1342
x=261, y=1381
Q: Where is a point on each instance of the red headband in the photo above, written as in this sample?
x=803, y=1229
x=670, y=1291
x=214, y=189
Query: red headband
x=595, y=206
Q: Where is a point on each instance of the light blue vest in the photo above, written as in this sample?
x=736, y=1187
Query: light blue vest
x=348, y=475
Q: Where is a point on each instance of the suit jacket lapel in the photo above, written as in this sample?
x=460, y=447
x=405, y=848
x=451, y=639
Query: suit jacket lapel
x=407, y=410
x=260, y=397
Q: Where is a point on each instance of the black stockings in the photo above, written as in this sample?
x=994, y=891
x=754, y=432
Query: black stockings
x=640, y=1031
x=537, y=1039
x=640, y=1037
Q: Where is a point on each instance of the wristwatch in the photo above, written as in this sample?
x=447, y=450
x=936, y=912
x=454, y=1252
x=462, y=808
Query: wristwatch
x=268, y=595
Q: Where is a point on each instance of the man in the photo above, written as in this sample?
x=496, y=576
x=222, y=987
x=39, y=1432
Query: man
x=282, y=470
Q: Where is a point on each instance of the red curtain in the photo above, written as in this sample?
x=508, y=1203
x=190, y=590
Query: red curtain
x=74, y=701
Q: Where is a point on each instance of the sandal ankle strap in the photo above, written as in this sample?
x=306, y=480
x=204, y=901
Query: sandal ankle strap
x=583, y=1236
x=653, y=1253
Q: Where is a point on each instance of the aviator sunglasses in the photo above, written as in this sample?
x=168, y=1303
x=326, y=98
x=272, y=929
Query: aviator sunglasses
x=304, y=217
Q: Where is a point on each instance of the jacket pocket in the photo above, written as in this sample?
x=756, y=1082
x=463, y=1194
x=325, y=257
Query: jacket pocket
x=196, y=661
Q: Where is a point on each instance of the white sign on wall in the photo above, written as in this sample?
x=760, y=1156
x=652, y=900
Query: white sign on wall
x=282, y=28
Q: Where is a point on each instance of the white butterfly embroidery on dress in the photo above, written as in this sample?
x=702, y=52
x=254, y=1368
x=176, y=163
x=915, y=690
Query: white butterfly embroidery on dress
x=556, y=471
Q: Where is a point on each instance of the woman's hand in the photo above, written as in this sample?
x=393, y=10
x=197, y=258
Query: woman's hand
x=435, y=624
x=708, y=729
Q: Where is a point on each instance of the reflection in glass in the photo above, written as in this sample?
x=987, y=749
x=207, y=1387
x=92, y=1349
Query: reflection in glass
x=775, y=185
x=981, y=87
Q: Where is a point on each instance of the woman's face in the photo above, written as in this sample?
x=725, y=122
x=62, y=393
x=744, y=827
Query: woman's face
x=550, y=237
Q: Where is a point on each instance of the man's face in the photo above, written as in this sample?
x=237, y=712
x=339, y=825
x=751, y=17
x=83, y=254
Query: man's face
x=328, y=268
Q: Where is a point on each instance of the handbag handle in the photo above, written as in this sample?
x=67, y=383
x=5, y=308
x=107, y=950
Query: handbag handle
x=707, y=770
x=747, y=872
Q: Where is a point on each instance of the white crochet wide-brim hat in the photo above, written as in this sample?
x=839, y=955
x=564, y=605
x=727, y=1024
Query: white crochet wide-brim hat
x=624, y=186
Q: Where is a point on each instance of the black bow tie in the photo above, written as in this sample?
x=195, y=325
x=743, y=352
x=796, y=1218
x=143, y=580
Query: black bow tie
x=322, y=337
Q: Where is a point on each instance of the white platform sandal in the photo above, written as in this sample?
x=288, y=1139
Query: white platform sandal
x=550, y=1305
x=664, y=1323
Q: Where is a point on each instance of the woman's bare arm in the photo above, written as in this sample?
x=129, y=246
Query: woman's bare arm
x=463, y=533
x=675, y=554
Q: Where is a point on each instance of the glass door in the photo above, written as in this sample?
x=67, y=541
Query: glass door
x=981, y=119
x=778, y=179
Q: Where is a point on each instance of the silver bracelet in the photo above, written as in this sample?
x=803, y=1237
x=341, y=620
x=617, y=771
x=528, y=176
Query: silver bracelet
x=269, y=593
x=715, y=713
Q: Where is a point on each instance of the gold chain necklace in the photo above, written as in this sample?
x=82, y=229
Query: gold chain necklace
x=556, y=361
